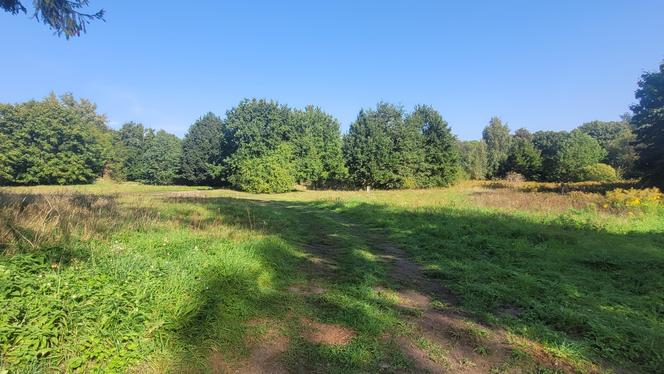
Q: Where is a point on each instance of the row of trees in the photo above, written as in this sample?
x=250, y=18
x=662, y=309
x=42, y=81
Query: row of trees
x=595, y=150
x=263, y=146
x=260, y=146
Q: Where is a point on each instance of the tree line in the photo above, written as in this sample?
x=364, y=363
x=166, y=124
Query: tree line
x=264, y=146
x=595, y=151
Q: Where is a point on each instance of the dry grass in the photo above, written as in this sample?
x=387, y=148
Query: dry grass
x=542, y=202
x=552, y=198
x=31, y=221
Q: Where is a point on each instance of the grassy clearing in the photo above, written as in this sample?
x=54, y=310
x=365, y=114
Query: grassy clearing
x=147, y=279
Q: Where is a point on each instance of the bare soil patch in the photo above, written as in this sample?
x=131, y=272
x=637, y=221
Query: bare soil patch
x=265, y=357
x=326, y=333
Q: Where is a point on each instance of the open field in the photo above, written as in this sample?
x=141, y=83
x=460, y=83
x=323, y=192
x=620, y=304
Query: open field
x=479, y=277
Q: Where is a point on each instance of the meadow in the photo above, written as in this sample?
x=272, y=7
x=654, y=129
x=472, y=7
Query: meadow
x=480, y=277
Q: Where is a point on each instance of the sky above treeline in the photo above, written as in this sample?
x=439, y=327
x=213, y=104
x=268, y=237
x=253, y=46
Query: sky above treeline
x=538, y=65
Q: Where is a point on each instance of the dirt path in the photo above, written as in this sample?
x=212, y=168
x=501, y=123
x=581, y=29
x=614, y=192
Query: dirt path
x=441, y=338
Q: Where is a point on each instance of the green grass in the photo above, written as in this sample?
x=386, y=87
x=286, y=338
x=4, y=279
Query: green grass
x=175, y=277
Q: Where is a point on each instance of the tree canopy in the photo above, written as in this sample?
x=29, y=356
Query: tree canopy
x=264, y=146
x=497, y=138
x=649, y=122
x=52, y=141
x=64, y=17
x=202, y=151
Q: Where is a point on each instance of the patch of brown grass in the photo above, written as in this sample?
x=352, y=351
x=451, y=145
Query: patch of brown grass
x=326, y=333
x=30, y=221
x=543, y=202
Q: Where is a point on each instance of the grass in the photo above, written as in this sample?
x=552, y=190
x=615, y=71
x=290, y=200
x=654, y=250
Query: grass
x=126, y=277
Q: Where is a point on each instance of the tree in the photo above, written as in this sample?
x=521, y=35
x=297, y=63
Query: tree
x=473, y=158
x=52, y=141
x=317, y=148
x=201, y=151
x=441, y=165
x=149, y=157
x=271, y=172
x=161, y=158
x=523, y=157
x=549, y=143
x=649, y=122
x=254, y=130
x=131, y=145
x=497, y=139
x=381, y=150
x=617, y=138
x=62, y=16
x=524, y=134
x=577, y=150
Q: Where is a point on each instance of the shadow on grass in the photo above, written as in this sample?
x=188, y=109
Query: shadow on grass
x=585, y=292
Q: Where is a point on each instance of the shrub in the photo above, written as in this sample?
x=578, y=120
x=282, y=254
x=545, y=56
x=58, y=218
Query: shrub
x=513, y=177
x=599, y=173
x=634, y=198
x=271, y=173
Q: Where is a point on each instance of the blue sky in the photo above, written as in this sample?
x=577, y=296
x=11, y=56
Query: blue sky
x=536, y=64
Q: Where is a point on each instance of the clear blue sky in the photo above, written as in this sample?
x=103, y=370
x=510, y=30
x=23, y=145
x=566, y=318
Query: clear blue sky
x=536, y=64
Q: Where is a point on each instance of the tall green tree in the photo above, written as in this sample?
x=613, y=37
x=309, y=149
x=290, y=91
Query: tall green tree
x=161, y=158
x=549, y=143
x=497, y=138
x=131, y=145
x=64, y=17
x=52, y=141
x=576, y=151
x=523, y=157
x=317, y=147
x=617, y=138
x=474, y=158
x=150, y=157
x=649, y=122
x=202, y=151
x=441, y=165
x=381, y=150
x=255, y=130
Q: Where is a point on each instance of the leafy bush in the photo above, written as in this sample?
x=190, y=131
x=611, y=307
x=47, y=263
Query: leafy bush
x=599, y=173
x=272, y=173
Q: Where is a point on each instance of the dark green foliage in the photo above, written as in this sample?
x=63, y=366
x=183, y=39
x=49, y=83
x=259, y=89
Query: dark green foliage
x=161, y=158
x=524, y=134
x=270, y=173
x=254, y=130
x=382, y=150
x=649, y=122
x=617, y=138
x=317, y=147
x=149, y=157
x=523, y=158
x=51, y=142
x=497, y=139
x=548, y=143
x=201, y=151
x=441, y=164
x=62, y=16
x=131, y=143
x=599, y=172
x=385, y=148
x=576, y=151
x=474, y=159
